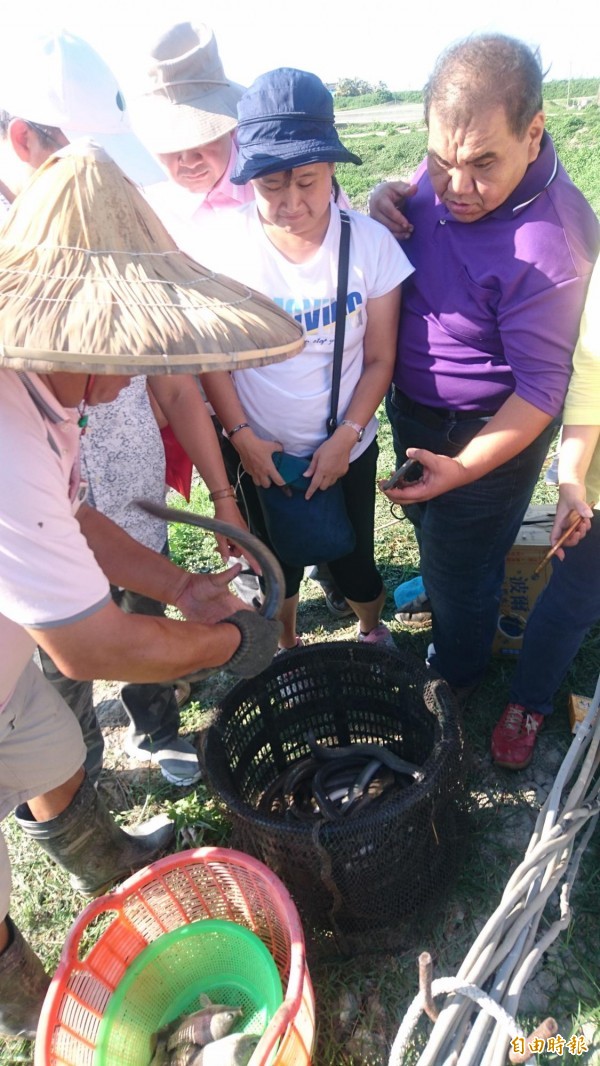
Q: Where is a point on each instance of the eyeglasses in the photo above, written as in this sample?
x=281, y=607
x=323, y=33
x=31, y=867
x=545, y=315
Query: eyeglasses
x=49, y=134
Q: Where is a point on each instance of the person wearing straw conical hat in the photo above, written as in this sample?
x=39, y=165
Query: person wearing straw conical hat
x=185, y=112
x=93, y=291
x=122, y=449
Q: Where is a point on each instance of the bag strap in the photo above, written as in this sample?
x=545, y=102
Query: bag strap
x=340, y=320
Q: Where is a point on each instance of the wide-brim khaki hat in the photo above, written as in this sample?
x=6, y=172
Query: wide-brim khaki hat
x=185, y=99
x=90, y=281
x=165, y=127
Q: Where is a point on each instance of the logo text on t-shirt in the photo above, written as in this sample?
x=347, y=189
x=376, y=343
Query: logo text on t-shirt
x=318, y=315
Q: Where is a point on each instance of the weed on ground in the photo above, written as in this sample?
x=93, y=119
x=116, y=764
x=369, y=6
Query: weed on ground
x=361, y=1001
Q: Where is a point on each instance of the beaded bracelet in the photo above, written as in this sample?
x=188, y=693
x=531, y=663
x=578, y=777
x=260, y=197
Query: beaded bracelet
x=236, y=429
x=222, y=494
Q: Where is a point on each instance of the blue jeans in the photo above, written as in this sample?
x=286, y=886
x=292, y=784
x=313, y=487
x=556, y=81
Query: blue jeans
x=464, y=535
x=561, y=618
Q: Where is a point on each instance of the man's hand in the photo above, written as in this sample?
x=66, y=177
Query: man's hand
x=386, y=203
x=511, y=429
x=440, y=474
x=206, y=597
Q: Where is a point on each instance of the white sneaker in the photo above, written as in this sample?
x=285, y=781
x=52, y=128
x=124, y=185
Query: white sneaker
x=178, y=760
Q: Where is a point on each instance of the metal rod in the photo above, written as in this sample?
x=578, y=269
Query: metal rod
x=549, y=1027
x=425, y=976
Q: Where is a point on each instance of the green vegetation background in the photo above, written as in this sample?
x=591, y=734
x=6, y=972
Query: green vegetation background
x=361, y=1001
x=347, y=96
x=382, y=987
x=389, y=150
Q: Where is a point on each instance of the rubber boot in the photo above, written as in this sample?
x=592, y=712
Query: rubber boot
x=23, y=987
x=87, y=842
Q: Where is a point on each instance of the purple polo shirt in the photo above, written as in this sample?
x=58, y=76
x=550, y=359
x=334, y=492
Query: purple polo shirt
x=493, y=306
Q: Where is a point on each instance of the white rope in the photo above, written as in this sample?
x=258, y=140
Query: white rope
x=508, y=948
x=447, y=986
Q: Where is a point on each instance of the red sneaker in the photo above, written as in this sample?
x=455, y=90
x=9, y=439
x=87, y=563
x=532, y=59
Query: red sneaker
x=514, y=737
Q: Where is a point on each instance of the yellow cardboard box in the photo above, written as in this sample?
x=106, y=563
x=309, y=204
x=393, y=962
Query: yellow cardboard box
x=521, y=587
x=578, y=709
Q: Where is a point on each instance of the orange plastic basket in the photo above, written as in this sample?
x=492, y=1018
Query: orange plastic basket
x=182, y=888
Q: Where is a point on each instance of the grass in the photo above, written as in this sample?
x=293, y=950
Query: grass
x=350, y=103
x=361, y=1002
x=388, y=150
x=385, y=153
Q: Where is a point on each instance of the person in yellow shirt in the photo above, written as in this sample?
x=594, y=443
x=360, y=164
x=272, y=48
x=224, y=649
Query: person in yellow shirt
x=570, y=603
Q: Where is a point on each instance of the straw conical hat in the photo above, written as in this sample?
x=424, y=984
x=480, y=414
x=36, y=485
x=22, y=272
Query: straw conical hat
x=90, y=281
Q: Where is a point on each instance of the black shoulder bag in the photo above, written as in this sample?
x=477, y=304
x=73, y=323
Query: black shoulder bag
x=318, y=530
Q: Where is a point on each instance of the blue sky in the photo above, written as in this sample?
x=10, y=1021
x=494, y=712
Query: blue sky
x=374, y=39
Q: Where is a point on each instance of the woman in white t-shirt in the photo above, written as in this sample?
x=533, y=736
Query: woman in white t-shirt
x=286, y=245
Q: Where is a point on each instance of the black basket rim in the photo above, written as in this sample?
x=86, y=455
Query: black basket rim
x=435, y=765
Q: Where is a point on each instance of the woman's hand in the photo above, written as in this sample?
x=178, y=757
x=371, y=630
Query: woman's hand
x=227, y=510
x=571, y=502
x=330, y=462
x=577, y=448
x=257, y=457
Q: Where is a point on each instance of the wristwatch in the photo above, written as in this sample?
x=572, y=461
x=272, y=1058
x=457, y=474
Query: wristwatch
x=359, y=430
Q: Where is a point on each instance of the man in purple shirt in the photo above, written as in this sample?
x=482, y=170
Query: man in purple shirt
x=503, y=245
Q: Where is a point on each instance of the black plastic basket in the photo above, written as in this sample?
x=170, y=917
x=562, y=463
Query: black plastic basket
x=363, y=876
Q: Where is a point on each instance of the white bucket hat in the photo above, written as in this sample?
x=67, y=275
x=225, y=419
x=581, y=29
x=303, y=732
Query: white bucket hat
x=66, y=84
x=186, y=100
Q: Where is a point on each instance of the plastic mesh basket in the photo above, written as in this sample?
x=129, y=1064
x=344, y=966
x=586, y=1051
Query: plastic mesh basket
x=366, y=876
x=190, y=887
x=222, y=960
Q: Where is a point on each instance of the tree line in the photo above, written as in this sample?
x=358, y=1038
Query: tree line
x=347, y=90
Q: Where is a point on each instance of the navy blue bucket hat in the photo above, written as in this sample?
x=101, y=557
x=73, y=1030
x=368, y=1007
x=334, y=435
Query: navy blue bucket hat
x=285, y=120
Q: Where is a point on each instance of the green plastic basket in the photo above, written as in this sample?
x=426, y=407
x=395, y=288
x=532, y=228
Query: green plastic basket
x=226, y=961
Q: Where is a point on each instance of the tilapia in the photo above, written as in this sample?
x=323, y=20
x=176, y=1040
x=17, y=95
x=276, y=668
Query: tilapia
x=185, y=1055
x=212, y=1022
x=233, y=1050
x=160, y=1057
